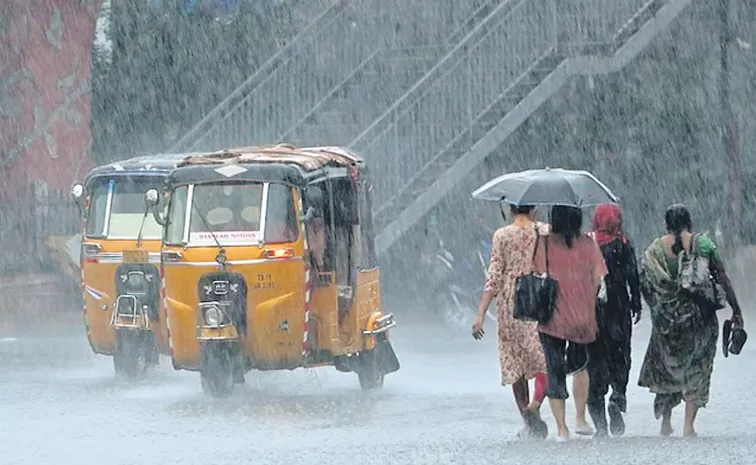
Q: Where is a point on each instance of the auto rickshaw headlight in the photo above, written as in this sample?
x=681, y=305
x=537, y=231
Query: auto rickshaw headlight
x=213, y=315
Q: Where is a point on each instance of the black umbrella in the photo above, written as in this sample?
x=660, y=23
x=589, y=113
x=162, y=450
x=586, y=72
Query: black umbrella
x=547, y=187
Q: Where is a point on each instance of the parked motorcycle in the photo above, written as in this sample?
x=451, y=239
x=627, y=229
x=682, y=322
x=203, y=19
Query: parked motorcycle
x=458, y=283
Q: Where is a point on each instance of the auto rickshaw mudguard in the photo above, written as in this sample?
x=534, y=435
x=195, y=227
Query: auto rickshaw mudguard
x=377, y=343
x=270, y=347
x=385, y=355
x=185, y=347
x=101, y=335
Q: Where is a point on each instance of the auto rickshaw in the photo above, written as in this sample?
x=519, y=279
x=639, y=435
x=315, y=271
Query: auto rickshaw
x=120, y=256
x=269, y=263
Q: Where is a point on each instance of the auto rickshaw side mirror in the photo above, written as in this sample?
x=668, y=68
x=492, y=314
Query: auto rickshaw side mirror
x=151, y=198
x=77, y=191
x=151, y=201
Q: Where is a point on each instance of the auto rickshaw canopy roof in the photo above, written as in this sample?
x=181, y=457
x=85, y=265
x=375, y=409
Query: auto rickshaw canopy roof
x=282, y=163
x=145, y=165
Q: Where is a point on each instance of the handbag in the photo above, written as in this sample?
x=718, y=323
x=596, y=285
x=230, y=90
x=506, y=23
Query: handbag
x=535, y=295
x=697, y=281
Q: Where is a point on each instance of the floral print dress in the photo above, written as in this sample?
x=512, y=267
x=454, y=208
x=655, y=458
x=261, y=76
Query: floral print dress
x=520, y=351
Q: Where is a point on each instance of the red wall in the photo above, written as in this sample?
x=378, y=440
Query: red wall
x=45, y=68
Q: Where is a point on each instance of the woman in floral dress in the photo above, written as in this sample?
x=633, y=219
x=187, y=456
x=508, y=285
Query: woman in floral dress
x=520, y=351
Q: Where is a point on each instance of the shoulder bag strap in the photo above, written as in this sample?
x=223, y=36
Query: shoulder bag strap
x=535, y=248
x=693, y=243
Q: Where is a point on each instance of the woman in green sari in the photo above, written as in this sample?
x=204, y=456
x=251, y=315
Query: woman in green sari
x=680, y=355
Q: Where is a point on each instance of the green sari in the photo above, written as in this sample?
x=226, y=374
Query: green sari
x=680, y=355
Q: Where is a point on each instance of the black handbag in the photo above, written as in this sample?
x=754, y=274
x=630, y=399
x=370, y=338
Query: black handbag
x=535, y=295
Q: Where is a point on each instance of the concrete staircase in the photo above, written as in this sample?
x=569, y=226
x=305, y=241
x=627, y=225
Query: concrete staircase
x=502, y=92
x=424, y=116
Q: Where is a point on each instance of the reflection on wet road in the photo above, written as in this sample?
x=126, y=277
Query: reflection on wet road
x=61, y=404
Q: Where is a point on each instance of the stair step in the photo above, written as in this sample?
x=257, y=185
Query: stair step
x=403, y=75
x=423, y=59
x=435, y=51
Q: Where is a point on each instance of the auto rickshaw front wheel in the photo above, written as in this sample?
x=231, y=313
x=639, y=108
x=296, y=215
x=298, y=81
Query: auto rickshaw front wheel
x=218, y=369
x=132, y=353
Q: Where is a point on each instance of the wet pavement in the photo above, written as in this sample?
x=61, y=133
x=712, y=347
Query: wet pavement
x=61, y=404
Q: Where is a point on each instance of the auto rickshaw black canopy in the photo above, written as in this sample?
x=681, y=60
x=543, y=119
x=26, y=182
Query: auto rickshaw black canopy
x=146, y=165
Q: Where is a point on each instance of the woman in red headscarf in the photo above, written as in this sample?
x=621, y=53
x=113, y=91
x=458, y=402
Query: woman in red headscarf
x=615, y=314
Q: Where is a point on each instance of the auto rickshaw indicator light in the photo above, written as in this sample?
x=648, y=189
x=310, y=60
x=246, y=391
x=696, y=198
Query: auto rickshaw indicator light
x=279, y=253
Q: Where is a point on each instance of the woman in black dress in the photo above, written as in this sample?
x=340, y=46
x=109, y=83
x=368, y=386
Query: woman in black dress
x=615, y=314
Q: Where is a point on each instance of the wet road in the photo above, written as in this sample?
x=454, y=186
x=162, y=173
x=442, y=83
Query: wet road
x=61, y=404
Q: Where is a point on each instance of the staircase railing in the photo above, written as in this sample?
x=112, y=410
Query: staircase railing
x=304, y=40
x=462, y=48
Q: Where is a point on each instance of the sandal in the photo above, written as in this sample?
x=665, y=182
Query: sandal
x=538, y=428
x=733, y=338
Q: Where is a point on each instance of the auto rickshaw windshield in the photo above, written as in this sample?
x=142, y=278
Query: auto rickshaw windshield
x=116, y=208
x=233, y=214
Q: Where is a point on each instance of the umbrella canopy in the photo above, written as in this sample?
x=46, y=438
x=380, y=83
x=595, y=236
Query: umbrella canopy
x=547, y=187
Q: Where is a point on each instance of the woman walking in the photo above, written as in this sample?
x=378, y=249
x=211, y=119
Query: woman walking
x=520, y=352
x=680, y=355
x=575, y=262
x=615, y=315
x=577, y=367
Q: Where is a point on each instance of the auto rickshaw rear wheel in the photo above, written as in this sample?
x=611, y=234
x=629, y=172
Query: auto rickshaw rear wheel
x=369, y=371
x=370, y=379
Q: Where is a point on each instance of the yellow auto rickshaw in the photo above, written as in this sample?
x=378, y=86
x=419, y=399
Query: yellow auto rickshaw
x=269, y=263
x=120, y=258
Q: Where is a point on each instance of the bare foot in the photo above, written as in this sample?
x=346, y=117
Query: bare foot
x=584, y=429
x=666, y=429
x=690, y=433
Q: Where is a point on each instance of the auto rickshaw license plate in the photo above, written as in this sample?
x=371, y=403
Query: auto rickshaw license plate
x=135, y=256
